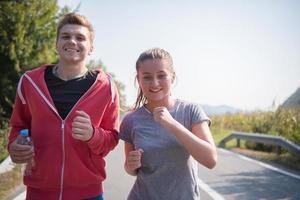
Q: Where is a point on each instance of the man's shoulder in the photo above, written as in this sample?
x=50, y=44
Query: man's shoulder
x=38, y=70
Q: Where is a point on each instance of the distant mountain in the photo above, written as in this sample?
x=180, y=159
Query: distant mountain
x=293, y=100
x=219, y=110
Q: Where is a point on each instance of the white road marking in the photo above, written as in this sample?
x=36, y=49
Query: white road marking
x=211, y=192
x=262, y=164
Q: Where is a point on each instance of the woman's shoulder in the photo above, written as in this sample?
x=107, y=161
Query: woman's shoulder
x=190, y=107
x=188, y=104
x=132, y=113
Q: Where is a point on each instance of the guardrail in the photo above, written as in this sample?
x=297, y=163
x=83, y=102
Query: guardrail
x=278, y=141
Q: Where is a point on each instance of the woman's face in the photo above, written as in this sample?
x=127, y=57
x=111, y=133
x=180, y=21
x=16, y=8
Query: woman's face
x=155, y=80
x=73, y=43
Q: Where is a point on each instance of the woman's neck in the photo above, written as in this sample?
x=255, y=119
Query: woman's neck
x=168, y=103
x=69, y=71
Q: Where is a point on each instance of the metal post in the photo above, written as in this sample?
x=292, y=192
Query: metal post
x=278, y=150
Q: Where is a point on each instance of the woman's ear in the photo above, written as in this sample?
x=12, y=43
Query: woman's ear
x=137, y=80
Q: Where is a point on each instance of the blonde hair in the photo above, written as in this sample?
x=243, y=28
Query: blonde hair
x=76, y=19
x=151, y=54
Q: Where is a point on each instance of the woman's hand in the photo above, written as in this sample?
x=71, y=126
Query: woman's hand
x=133, y=160
x=163, y=116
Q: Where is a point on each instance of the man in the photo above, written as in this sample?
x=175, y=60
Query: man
x=72, y=116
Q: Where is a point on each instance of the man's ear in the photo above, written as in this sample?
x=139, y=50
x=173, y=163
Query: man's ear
x=173, y=77
x=56, y=48
x=91, y=49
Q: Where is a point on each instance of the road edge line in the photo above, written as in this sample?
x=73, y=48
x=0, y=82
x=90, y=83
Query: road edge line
x=262, y=164
x=211, y=192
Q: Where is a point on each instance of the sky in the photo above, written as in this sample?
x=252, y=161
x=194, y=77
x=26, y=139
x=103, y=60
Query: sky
x=240, y=53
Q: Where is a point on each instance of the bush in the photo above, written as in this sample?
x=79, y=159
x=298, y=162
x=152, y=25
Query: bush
x=3, y=140
x=283, y=122
x=287, y=123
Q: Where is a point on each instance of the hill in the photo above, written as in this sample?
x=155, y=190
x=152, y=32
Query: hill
x=293, y=100
x=219, y=110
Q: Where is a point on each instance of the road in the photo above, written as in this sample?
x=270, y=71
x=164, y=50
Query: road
x=238, y=177
x=235, y=177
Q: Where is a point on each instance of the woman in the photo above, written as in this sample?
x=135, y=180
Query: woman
x=164, y=137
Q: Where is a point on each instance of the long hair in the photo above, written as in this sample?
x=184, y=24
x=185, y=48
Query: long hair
x=151, y=54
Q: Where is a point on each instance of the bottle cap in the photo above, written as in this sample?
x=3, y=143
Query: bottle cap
x=24, y=132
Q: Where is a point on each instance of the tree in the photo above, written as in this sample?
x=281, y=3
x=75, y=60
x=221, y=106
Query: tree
x=93, y=64
x=27, y=38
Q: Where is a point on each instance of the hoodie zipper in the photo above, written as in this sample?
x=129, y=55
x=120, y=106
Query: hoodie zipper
x=63, y=159
x=62, y=125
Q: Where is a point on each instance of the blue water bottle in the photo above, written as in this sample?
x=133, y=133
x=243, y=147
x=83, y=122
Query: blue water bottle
x=25, y=139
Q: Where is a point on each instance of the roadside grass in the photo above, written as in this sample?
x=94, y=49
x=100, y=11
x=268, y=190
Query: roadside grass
x=3, y=143
x=219, y=134
x=9, y=181
x=285, y=159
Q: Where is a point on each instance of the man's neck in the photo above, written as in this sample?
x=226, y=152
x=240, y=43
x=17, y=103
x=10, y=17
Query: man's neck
x=66, y=71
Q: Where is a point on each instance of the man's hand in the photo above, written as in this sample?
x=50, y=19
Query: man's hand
x=20, y=153
x=82, y=128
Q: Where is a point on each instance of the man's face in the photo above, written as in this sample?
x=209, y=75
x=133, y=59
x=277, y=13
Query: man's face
x=73, y=43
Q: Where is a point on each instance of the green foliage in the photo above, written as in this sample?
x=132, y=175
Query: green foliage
x=27, y=37
x=3, y=140
x=93, y=64
x=283, y=122
x=218, y=133
x=287, y=123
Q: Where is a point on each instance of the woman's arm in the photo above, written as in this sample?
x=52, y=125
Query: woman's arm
x=198, y=142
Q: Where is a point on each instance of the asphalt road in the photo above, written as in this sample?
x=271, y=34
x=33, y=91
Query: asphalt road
x=235, y=177
x=238, y=177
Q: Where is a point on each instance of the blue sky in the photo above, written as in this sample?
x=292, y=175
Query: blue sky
x=242, y=53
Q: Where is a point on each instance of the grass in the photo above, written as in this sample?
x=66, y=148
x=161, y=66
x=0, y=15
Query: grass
x=285, y=159
x=10, y=180
x=3, y=144
x=219, y=134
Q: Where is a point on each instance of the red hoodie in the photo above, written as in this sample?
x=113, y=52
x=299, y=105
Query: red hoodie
x=65, y=168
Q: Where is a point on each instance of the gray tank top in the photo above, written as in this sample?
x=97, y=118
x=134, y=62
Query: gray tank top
x=168, y=171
